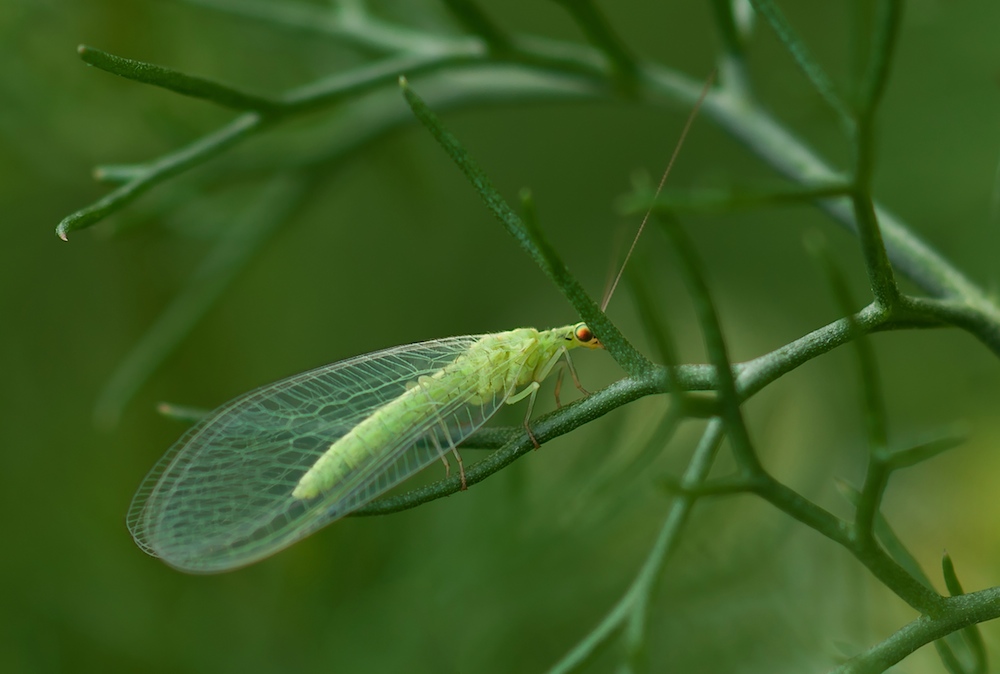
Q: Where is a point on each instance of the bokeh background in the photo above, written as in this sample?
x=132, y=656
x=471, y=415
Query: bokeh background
x=392, y=247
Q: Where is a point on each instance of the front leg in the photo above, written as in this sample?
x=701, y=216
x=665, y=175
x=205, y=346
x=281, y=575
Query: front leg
x=528, y=392
x=564, y=354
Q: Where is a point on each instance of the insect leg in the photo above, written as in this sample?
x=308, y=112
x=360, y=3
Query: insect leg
x=559, y=378
x=557, y=363
x=528, y=392
x=461, y=467
x=527, y=415
x=444, y=457
x=454, y=450
x=572, y=372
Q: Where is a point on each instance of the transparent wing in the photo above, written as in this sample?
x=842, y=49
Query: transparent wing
x=222, y=495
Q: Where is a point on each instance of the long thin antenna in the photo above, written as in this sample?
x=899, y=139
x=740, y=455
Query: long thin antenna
x=659, y=188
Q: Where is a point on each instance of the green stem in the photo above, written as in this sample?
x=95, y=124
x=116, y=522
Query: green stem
x=883, y=567
x=166, y=167
x=348, y=23
x=803, y=58
x=691, y=269
x=600, y=34
x=172, y=80
x=475, y=20
x=725, y=25
x=880, y=271
x=873, y=405
x=957, y=613
x=728, y=201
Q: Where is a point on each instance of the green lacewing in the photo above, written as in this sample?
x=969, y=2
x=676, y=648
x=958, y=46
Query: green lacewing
x=274, y=465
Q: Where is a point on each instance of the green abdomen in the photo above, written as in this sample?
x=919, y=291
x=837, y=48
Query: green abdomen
x=418, y=407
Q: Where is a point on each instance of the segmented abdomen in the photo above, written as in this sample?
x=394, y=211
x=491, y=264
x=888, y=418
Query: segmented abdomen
x=418, y=407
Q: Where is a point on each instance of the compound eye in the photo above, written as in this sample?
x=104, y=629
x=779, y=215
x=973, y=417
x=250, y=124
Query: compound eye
x=583, y=333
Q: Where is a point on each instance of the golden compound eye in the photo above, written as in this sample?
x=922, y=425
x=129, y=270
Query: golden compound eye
x=583, y=333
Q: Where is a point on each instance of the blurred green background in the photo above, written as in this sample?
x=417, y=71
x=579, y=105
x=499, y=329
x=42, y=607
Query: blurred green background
x=393, y=247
